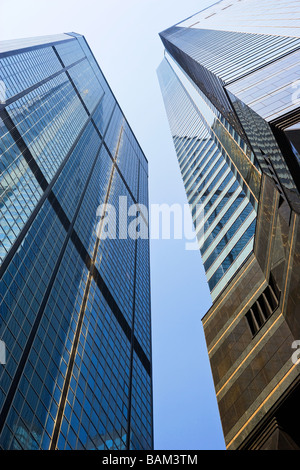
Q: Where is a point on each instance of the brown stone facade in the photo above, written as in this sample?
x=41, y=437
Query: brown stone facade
x=250, y=332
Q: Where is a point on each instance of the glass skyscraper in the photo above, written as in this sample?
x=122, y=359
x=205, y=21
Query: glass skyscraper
x=223, y=201
x=75, y=305
x=230, y=84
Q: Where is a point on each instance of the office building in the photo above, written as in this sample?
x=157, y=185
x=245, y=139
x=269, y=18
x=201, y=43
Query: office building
x=75, y=304
x=230, y=84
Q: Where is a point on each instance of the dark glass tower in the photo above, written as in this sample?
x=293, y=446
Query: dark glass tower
x=230, y=83
x=75, y=306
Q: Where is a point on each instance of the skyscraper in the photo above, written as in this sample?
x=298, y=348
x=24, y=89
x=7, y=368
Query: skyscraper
x=75, y=303
x=230, y=85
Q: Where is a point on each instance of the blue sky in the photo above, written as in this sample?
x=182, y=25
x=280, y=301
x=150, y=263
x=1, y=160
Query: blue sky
x=123, y=35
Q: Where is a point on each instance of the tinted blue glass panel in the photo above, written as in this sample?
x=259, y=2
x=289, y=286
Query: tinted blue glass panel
x=74, y=308
x=229, y=233
x=246, y=237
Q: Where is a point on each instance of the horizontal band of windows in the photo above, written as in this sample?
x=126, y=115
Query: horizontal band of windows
x=212, y=188
x=240, y=260
x=234, y=208
x=193, y=164
x=214, y=203
x=186, y=142
x=210, y=167
x=233, y=255
x=233, y=246
x=211, y=234
x=190, y=149
x=211, y=225
x=193, y=160
x=193, y=150
x=209, y=153
x=226, y=239
x=202, y=187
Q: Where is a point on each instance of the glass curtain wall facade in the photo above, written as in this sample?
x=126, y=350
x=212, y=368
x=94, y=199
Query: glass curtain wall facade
x=247, y=68
x=223, y=200
x=75, y=307
x=230, y=84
